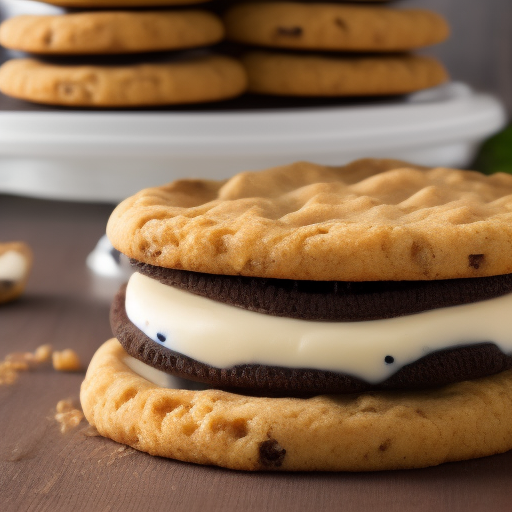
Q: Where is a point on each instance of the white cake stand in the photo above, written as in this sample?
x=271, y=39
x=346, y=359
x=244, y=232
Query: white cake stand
x=106, y=156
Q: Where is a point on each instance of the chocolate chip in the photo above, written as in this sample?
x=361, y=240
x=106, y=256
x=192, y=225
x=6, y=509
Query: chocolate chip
x=160, y=336
x=341, y=23
x=271, y=454
x=389, y=359
x=475, y=260
x=289, y=31
x=385, y=445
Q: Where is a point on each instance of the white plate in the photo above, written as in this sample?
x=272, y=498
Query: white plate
x=106, y=156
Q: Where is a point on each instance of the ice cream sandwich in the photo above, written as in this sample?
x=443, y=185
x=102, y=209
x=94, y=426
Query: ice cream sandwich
x=312, y=318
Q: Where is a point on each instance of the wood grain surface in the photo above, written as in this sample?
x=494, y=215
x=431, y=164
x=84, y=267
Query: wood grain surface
x=44, y=470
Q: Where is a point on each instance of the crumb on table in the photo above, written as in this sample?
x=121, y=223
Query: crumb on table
x=8, y=374
x=43, y=353
x=22, y=361
x=66, y=361
x=67, y=415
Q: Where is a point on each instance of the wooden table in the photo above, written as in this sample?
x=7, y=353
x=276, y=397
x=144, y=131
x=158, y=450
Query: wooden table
x=44, y=470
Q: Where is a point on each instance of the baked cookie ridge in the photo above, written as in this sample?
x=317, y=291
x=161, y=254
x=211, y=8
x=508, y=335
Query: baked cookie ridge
x=369, y=221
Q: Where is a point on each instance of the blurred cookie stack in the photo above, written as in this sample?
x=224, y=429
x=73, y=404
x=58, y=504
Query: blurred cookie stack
x=334, y=49
x=121, y=57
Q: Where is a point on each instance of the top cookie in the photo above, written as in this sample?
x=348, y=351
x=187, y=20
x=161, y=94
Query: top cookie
x=371, y=220
x=322, y=26
x=108, y=32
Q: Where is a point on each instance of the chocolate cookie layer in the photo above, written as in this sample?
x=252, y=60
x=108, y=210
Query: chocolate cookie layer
x=436, y=369
x=331, y=300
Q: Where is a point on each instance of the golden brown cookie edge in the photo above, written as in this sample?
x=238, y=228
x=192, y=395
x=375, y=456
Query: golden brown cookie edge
x=311, y=75
x=324, y=433
x=70, y=33
x=394, y=253
x=123, y=86
x=334, y=27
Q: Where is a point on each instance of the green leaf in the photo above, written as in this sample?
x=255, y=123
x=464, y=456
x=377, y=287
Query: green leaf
x=496, y=154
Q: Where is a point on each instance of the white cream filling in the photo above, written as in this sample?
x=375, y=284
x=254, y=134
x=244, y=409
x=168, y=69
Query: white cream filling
x=159, y=378
x=224, y=336
x=13, y=266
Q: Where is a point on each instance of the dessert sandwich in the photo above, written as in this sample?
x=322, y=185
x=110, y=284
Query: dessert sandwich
x=312, y=318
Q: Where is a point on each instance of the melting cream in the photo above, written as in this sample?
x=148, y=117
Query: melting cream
x=224, y=336
x=161, y=379
x=13, y=266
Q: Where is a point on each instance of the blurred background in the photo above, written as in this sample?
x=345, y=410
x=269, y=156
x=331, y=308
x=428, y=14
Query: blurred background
x=70, y=154
x=479, y=52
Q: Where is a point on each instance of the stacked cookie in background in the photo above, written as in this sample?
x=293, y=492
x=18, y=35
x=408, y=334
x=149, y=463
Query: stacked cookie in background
x=336, y=49
x=119, y=58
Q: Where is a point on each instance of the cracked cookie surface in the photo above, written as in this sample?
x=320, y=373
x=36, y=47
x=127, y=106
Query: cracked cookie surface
x=371, y=220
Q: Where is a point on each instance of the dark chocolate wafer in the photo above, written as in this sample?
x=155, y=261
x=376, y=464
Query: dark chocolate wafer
x=331, y=300
x=436, y=369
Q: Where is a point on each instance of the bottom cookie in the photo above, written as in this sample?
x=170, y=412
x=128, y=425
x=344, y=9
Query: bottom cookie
x=195, y=80
x=291, y=74
x=359, y=432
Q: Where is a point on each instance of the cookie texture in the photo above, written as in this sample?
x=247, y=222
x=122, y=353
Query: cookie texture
x=200, y=79
x=371, y=220
x=11, y=289
x=339, y=301
x=324, y=433
x=111, y=32
x=289, y=74
x=326, y=27
x=434, y=370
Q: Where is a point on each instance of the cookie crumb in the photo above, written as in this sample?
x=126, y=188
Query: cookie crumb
x=43, y=353
x=8, y=375
x=20, y=361
x=66, y=361
x=67, y=415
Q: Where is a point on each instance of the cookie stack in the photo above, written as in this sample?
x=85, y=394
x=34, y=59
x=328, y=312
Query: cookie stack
x=130, y=58
x=336, y=50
